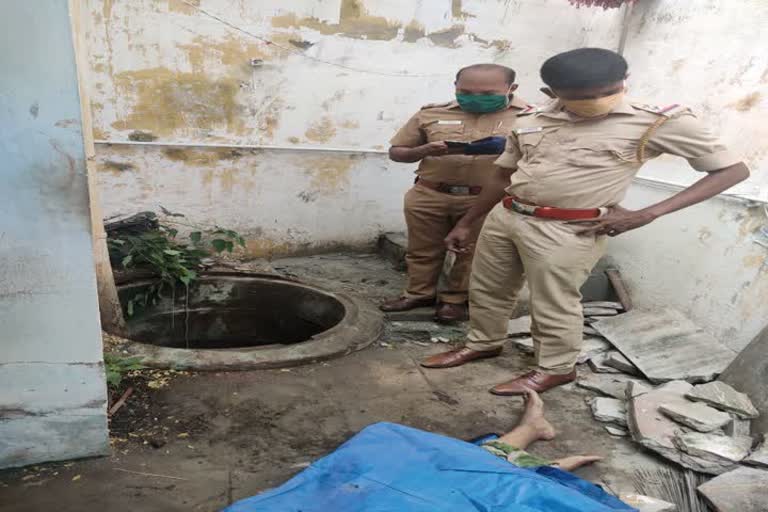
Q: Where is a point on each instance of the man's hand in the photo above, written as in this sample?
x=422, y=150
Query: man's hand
x=618, y=220
x=458, y=240
x=437, y=148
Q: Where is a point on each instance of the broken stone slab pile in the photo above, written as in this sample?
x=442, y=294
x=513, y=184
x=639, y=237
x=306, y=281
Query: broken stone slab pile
x=655, y=372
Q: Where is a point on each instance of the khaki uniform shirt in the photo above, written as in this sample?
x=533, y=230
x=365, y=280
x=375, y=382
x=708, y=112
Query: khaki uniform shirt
x=447, y=122
x=565, y=161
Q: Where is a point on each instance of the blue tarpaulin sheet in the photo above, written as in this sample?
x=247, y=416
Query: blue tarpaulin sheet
x=394, y=468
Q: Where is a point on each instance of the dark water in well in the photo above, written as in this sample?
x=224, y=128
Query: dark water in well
x=234, y=312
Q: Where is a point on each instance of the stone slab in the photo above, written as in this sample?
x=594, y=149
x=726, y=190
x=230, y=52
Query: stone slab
x=740, y=490
x=696, y=415
x=722, y=396
x=617, y=431
x=648, y=504
x=604, y=304
x=636, y=388
x=609, y=410
x=758, y=457
x=720, y=452
x=615, y=360
x=520, y=326
x=747, y=373
x=412, y=315
x=665, y=345
x=650, y=428
x=597, y=364
x=610, y=385
x=738, y=427
x=523, y=344
x=591, y=347
x=590, y=331
x=593, y=311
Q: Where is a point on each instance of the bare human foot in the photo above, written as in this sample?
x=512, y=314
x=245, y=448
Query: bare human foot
x=533, y=416
x=571, y=463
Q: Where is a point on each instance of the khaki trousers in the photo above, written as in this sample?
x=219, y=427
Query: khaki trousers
x=556, y=262
x=430, y=215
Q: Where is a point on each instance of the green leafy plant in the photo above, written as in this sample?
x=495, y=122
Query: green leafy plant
x=175, y=262
x=116, y=367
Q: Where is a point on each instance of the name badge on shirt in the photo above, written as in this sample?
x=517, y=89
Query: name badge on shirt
x=523, y=131
x=449, y=121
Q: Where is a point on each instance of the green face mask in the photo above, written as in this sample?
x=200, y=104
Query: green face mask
x=481, y=103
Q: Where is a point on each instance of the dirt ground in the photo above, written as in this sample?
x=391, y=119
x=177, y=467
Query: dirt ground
x=208, y=439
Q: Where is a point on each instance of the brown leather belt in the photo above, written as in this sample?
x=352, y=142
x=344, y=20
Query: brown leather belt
x=456, y=190
x=548, y=212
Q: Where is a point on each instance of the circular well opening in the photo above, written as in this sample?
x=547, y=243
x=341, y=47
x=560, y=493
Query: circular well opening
x=244, y=321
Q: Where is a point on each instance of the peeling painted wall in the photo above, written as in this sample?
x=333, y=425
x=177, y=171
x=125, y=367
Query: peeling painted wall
x=52, y=388
x=164, y=71
x=708, y=55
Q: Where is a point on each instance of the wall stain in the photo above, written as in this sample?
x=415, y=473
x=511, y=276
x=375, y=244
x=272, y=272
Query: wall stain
x=182, y=8
x=321, y=131
x=34, y=109
x=349, y=124
x=746, y=103
x=413, y=32
x=168, y=101
x=203, y=157
x=112, y=165
x=294, y=140
x=447, y=37
x=354, y=22
x=141, y=136
x=329, y=174
x=754, y=260
x=67, y=123
x=205, y=54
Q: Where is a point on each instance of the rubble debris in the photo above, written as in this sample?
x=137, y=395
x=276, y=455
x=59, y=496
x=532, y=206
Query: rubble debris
x=617, y=283
x=636, y=388
x=759, y=457
x=591, y=347
x=604, y=304
x=665, y=345
x=609, y=410
x=741, y=490
x=590, y=331
x=655, y=431
x=738, y=427
x=719, y=452
x=616, y=431
x=648, y=504
x=747, y=374
x=696, y=415
x=615, y=360
x=724, y=397
x=598, y=365
x=610, y=385
x=523, y=344
x=519, y=326
x=600, y=312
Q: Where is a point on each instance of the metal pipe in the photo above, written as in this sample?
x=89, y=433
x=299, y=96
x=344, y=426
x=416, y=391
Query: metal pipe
x=239, y=146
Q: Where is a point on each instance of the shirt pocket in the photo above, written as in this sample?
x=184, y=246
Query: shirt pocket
x=598, y=153
x=528, y=143
x=448, y=131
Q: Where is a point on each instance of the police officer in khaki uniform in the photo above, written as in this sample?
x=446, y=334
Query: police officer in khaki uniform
x=448, y=182
x=554, y=198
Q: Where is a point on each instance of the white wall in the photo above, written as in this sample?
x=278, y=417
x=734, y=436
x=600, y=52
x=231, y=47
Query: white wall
x=710, y=56
x=52, y=388
x=165, y=68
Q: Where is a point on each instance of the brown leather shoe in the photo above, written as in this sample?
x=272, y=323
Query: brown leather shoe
x=537, y=381
x=448, y=313
x=458, y=357
x=406, y=304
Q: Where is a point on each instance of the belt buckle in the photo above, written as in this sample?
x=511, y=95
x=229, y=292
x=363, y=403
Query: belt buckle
x=524, y=209
x=459, y=190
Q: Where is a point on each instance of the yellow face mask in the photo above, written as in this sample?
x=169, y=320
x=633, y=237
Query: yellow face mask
x=593, y=107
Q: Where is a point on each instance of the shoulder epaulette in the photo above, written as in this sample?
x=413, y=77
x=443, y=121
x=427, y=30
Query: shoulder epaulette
x=667, y=111
x=435, y=105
